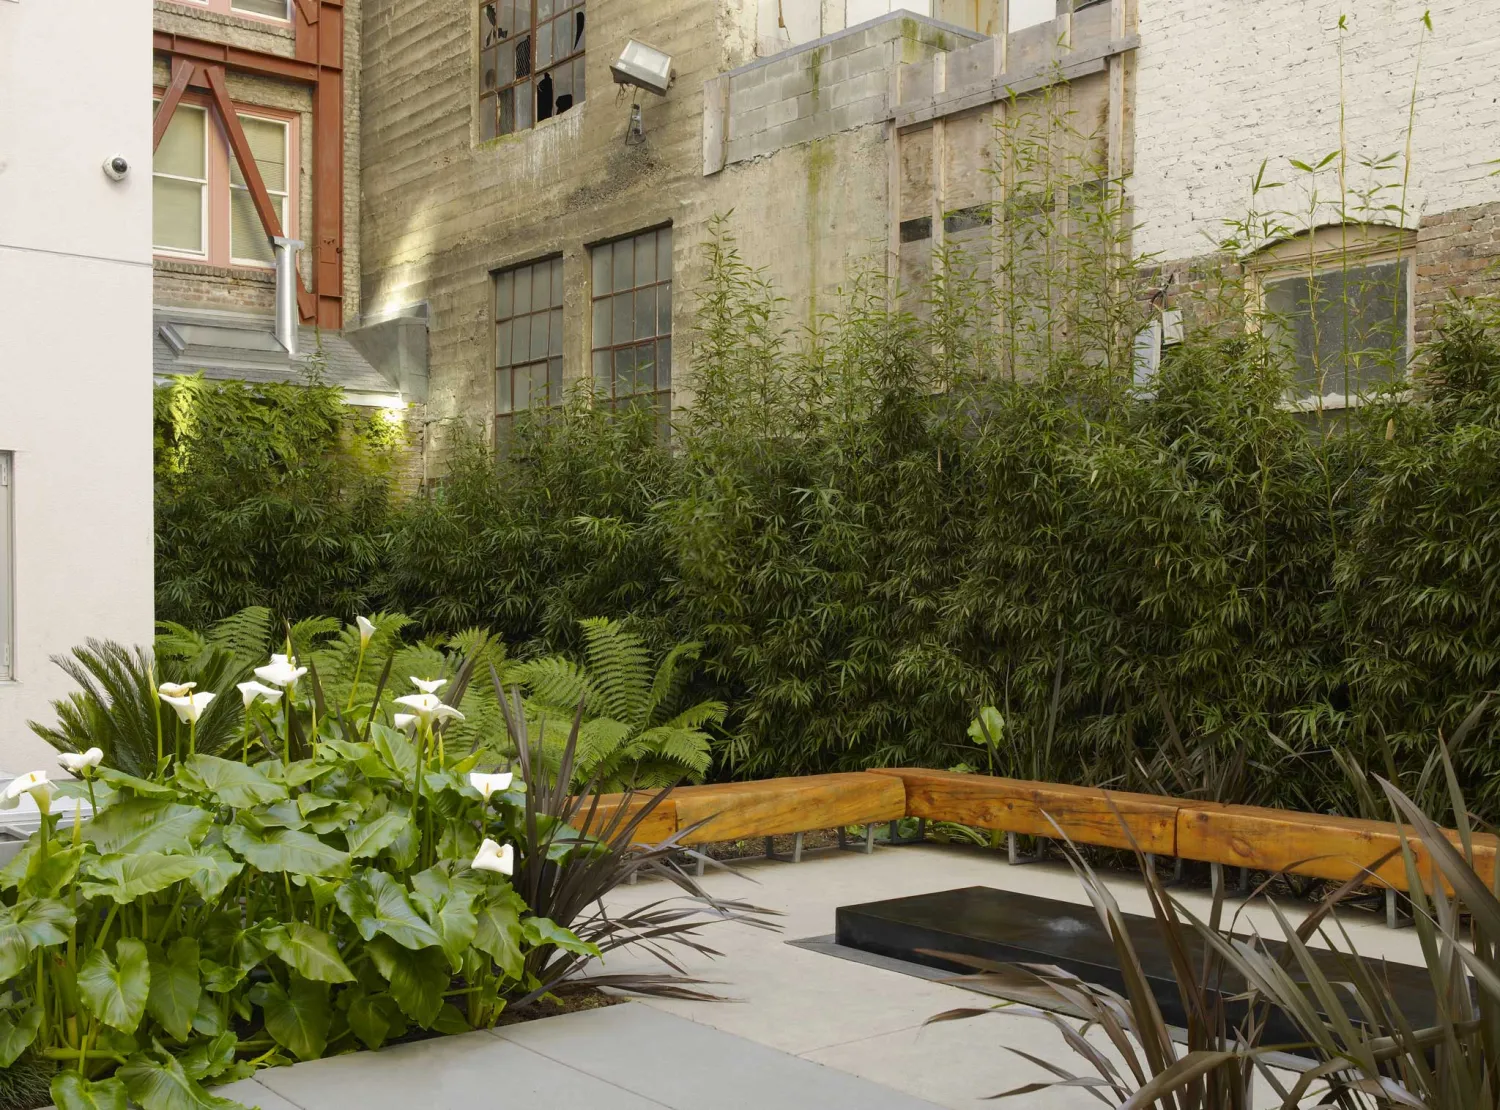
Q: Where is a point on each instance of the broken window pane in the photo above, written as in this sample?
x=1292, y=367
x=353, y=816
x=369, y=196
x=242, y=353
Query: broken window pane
x=544, y=9
x=523, y=107
x=487, y=118
x=562, y=88
x=577, y=31
x=544, y=93
x=489, y=25
x=505, y=63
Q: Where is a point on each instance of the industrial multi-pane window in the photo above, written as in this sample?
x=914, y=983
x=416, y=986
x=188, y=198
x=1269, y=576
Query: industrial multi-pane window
x=632, y=334
x=528, y=341
x=530, y=62
x=7, y=580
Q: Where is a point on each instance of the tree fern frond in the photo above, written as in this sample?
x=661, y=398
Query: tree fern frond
x=670, y=678
x=694, y=718
x=619, y=668
x=560, y=684
x=247, y=635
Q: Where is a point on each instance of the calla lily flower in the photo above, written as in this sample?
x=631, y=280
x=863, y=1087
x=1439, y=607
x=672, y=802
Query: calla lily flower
x=190, y=708
x=404, y=721
x=429, y=708
x=494, y=858
x=175, y=689
x=366, y=630
x=429, y=685
x=35, y=784
x=490, y=784
x=252, y=690
x=80, y=763
x=282, y=670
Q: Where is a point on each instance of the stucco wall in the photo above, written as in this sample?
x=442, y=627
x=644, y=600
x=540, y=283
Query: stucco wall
x=75, y=357
x=1223, y=85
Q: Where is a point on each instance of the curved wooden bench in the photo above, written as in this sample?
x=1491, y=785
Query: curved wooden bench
x=772, y=807
x=1086, y=814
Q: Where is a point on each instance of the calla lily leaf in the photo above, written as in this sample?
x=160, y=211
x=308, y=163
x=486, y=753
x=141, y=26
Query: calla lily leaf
x=417, y=979
x=162, y=1084
x=311, y=952
x=377, y=904
x=115, y=991
x=216, y=870
x=448, y=905
x=27, y=926
x=173, y=999
x=287, y=850
x=211, y=1058
x=396, y=751
x=41, y=877
x=363, y=756
x=374, y=1017
x=126, y=878
x=498, y=934
x=234, y=784
x=148, y=825
x=71, y=1091
x=18, y=1028
x=373, y=835
x=297, y=1018
x=122, y=781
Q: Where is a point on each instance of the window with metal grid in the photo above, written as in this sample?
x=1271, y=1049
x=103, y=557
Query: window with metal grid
x=530, y=62
x=632, y=321
x=528, y=341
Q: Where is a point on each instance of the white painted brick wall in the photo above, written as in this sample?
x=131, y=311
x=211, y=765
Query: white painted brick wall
x=1224, y=84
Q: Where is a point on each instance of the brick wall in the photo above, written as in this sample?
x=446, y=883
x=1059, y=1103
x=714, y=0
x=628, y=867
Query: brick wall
x=1458, y=254
x=1223, y=85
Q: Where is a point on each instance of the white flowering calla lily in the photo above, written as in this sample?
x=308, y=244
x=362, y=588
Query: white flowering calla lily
x=190, y=708
x=282, y=670
x=175, y=689
x=252, y=690
x=490, y=784
x=492, y=857
x=404, y=721
x=429, y=708
x=429, y=685
x=366, y=630
x=80, y=762
x=35, y=784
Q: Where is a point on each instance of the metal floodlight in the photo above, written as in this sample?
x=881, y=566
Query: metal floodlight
x=644, y=67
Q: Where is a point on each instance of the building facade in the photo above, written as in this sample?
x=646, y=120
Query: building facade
x=256, y=137
x=545, y=223
x=75, y=397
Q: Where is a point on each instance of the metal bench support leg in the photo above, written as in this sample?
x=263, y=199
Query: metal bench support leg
x=865, y=844
x=795, y=857
x=1013, y=853
x=1393, y=916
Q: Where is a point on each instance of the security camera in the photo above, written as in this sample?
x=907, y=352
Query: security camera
x=116, y=167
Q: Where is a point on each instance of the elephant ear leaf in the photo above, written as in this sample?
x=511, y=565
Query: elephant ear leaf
x=376, y=904
x=18, y=1028
x=234, y=784
x=136, y=825
x=71, y=1091
x=161, y=1084
x=541, y=931
x=298, y=1019
x=417, y=978
x=173, y=999
x=309, y=951
x=115, y=991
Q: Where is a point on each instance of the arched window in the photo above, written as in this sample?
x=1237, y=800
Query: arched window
x=1338, y=301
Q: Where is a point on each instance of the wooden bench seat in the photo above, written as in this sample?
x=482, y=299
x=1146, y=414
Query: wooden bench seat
x=659, y=824
x=1318, y=845
x=1086, y=814
x=771, y=807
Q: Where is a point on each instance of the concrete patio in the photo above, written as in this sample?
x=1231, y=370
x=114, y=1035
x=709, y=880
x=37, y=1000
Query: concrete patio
x=801, y=1030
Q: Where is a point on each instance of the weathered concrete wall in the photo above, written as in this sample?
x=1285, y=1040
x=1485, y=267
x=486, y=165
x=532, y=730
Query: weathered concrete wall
x=442, y=210
x=1223, y=85
x=824, y=87
x=192, y=283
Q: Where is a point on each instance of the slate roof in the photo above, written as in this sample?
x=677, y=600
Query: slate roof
x=242, y=346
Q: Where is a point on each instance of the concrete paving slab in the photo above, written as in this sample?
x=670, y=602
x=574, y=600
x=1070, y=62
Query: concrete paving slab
x=447, y=1073
x=688, y=1066
x=252, y=1093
